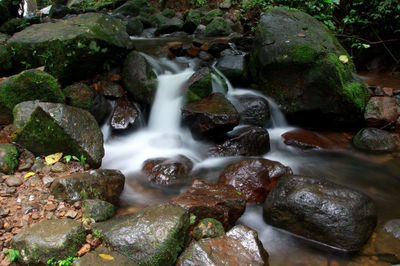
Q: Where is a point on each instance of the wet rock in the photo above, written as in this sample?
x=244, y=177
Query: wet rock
x=134, y=27
x=111, y=89
x=240, y=246
x=133, y=8
x=208, y=228
x=219, y=201
x=192, y=19
x=322, y=211
x=58, y=11
x=218, y=27
x=295, y=60
x=166, y=25
x=28, y=85
x=72, y=49
x=254, y=178
x=139, y=79
x=199, y=85
x=47, y=128
x=98, y=210
x=380, y=111
x=210, y=15
x=94, y=258
x=234, y=67
x=307, y=140
x=26, y=159
x=244, y=141
x=58, y=239
x=253, y=110
x=125, y=116
x=211, y=117
x=168, y=171
x=153, y=236
x=8, y=158
x=5, y=58
x=216, y=46
x=243, y=43
x=82, y=96
x=206, y=57
x=100, y=184
x=14, y=25
x=374, y=140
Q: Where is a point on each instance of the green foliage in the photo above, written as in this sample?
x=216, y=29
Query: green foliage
x=198, y=3
x=65, y=262
x=82, y=159
x=12, y=254
x=98, y=233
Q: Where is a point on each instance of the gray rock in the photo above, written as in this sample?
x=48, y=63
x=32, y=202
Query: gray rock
x=253, y=110
x=322, y=211
x=101, y=184
x=192, y=20
x=47, y=128
x=218, y=27
x=26, y=159
x=374, y=140
x=153, y=236
x=234, y=67
x=58, y=167
x=93, y=258
x=98, y=210
x=14, y=180
x=58, y=239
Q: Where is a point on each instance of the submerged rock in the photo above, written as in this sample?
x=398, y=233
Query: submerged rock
x=253, y=110
x=97, y=258
x=168, y=171
x=8, y=158
x=47, y=128
x=211, y=117
x=244, y=141
x=100, y=184
x=58, y=239
x=240, y=246
x=380, y=111
x=254, y=178
x=153, y=236
x=219, y=201
x=374, y=140
x=295, y=60
x=72, y=49
x=322, y=211
x=26, y=86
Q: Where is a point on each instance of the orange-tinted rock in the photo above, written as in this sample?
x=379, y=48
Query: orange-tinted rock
x=219, y=201
x=380, y=111
x=306, y=140
x=193, y=51
x=253, y=177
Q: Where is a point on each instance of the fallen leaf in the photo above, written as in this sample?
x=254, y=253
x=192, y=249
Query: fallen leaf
x=344, y=59
x=302, y=35
x=53, y=158
x=106, y=256
x=269, y=43
x=27, y=175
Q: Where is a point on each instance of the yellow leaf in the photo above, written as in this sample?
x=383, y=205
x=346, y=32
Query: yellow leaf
x=27, y=175
x=53, y=158
x=106, y=257
x=344, y=59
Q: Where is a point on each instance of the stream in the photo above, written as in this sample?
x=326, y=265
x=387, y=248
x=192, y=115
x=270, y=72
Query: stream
x=164, y=136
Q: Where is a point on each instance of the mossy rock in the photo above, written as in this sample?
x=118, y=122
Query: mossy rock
x=14, y=25
x=98, y=210
x=9, y=9
x=8, y=158
x=302, y=66
x=374, y=140
x=218, y=27
x=133, y=8
x=192, y=19
x=72, y=49
x=169, y=13
x=134, y=27
x=5, y=60
x=58, y=239
x=97, y=258
x=84, y=5
x=28, y=85
x=209, y=16
x=208, y=228
x=47, y=128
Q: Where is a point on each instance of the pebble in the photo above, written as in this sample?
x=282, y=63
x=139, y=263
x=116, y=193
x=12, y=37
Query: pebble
x=71, y=214
x=14, y=181
x=59, y=167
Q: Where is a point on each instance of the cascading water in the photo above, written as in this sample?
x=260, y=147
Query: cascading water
x=164, y=137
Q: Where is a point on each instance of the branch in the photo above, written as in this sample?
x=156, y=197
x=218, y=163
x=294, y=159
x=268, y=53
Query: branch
x=365, y=40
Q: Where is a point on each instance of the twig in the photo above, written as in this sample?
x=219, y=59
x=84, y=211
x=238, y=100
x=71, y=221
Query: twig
x=365, y=40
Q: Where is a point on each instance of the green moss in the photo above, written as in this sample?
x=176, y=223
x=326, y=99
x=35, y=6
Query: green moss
x=207, y=228
x=199, y=89
x=10, y=158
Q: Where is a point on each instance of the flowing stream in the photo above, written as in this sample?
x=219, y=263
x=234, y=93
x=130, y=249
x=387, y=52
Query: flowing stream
x=164, y=137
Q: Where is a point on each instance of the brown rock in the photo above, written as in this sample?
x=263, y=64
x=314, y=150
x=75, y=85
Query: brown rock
x=175, y=47
x=84, y=250
x=380, y=111
x=307, y=140
x=71, y=214
x=387, y=91
x=14, y=180
x=193, y=51
x=219, y=201
x=253, y=177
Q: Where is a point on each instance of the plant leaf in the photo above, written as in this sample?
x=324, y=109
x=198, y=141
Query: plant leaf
x=106, y=256
x=27, y=175
x=53, y=158
x=344, y=59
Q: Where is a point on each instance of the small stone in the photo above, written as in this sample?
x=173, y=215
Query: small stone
x=84, y=250
x=59, y=167
x=47, y=181
x=71, y=214
x=50, y=207
x=26, y=160
x=388, y=91
x=14, y=181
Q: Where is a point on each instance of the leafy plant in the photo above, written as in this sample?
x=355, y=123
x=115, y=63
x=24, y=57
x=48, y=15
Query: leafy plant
x=12, y=254
x=65, y=262
x=198, y=3
x=82, y=159
x=97, y=233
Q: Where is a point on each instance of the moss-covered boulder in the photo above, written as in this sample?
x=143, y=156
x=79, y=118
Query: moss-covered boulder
x=302, y=66
x=97, y=258
x=210, y=15
x=58, y=239
x=139, y=78
x=47, y=128
x=5, y=60
x=58, y=11
x=72, y=49
x=8, y=158
x=98, y=210
x=153, y=236
x=218, y=27
x=166, y=25
x=234, y=67
x=199, y=85
x=192, y=19
x=103, y=184
x=14, y=25
x=84, y=5
x=26, y=86
x=134, y=26
x=9, y=9
x=133, y=8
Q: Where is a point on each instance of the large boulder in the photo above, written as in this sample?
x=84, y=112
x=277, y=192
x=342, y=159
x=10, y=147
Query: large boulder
x=139, y=78
x=219, y=201
x=374, y=140
x=302, y=66
x=240, y=246
x=72, y=49
x=322, y=211
x=133, y=8
x=254, y=178
x=234, y=67
x=210, y=117
x=192, y=19
x=199, y=85
x=28, y=85
x=8, y=158
x=166, y=25
x=380, y=111
x=103, y=184
x=218, y=27
x=58, y=239
x=47, y=128
x=153, y=236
